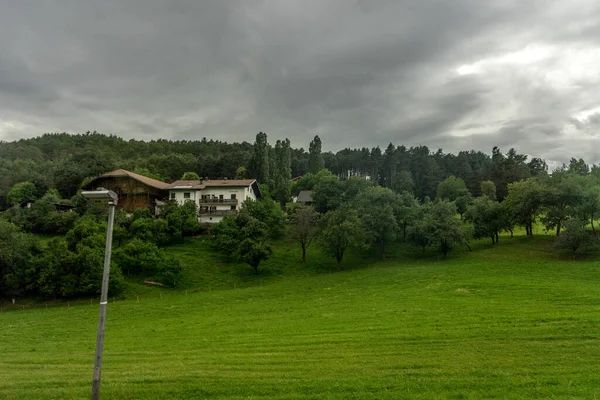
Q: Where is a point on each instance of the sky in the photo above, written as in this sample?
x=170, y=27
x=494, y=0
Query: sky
x=456, y=75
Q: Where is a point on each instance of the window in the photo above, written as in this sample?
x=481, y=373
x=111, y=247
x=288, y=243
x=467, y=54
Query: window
x=173, y=196
x=233, y=196
x=186, y=195
x=220, y=197
x=233, y=207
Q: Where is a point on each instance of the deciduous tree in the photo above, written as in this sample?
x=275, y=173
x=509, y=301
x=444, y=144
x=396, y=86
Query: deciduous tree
x=304, y=227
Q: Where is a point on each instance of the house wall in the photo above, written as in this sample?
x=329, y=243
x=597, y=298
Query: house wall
x=179, y=195
x=210, y=219
x=242, y=193
x=133, y=195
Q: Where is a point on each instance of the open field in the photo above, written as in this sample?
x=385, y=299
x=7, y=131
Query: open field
x=511, y=321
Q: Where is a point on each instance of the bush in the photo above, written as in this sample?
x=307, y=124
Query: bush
x=575, y=238
x=144, y=259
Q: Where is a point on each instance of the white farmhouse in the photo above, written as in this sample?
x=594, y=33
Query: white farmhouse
x=214, y=198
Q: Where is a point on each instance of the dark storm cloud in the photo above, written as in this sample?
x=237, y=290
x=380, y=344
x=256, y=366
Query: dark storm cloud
x=457, y=75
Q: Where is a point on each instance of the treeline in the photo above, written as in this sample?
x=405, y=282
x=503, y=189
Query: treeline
x=357, y=213
x=64, y=162
x=70, y=265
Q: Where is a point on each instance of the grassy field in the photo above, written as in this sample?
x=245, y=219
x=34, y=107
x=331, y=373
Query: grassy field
x=511, y=321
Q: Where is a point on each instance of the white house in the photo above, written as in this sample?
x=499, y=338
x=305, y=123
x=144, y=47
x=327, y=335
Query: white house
x=214, y=198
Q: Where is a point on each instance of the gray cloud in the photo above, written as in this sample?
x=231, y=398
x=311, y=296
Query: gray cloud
x=457, y=75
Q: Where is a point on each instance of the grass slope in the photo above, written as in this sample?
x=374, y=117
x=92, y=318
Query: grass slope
x=509, y=321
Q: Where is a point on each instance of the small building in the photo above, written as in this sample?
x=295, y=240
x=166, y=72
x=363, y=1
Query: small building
x=214, y=198
x=135, y=191
x=305, y=197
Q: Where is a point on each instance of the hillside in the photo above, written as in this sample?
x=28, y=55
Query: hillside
x=505, y=321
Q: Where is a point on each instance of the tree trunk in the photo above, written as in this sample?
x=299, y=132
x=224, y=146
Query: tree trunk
x=492, y=237
x=383, y=251
x=255, y=269
x=468, y=247
x=512, y=234
x=339, y=264
x=592, y=222
x=558, y=229
x=404, y=232
x=497, y=239
x=303, y=252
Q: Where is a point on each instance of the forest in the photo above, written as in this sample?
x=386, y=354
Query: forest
x=364, y=200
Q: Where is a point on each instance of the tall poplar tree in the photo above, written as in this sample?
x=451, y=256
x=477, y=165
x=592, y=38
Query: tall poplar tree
x=259, y=164
x=315, y=160
x=282, y=172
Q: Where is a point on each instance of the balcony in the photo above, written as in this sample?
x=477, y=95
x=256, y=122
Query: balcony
x=217, y=212
x=218, y=201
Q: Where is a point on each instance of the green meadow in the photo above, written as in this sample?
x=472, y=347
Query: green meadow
x=512, y=321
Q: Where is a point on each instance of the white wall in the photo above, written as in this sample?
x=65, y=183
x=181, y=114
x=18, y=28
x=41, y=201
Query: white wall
x=242, y=193
x=211, y=219
x=179, y=195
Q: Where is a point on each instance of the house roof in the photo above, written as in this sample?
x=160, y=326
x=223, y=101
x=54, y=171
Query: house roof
x=185, y=184
x=121, y=173
x=197, y=184
x=305, y=196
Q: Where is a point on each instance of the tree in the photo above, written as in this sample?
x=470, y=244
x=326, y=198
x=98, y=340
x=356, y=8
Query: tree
x=377, y=209
x=462, y=203
x=282, y=172
x=487, y=218
x=578, y=167
x=488, y=189
x=575, y=237
x=524, y=203
x=18, y=269
x=190, y=176
x=420, y=235
x=224, y=236
x=437, y=224
x=155, y=230
x=407, y=211
x=21, y=192
x=267, y=212
x=147, y=173
x=182, y=220
x=253, y=248
x=315, y=160
x=451, y=188
x=327, y=192
x=244, y=236
x=145, y=259
x=304, y=228
x=443, y=226
x=241, y=173
x=259, y=165
x=589, y=207
x=340, y=230
x=563, y=194
x=402, y=182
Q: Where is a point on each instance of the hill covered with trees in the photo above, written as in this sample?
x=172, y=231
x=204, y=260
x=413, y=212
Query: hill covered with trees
x=364, y=201
x=63, y=161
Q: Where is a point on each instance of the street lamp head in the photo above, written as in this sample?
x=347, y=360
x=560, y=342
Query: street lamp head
x=100, y=194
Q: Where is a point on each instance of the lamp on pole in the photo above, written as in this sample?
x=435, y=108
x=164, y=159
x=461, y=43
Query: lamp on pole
x=110, y=196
